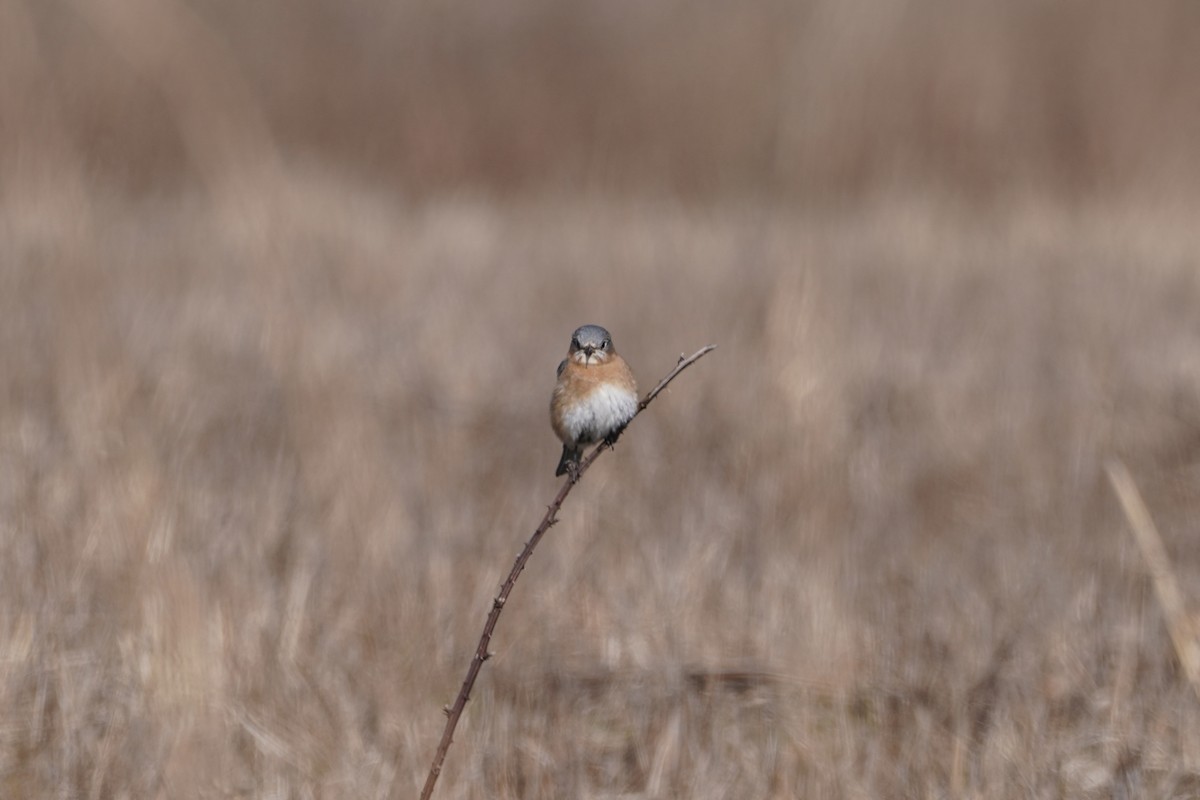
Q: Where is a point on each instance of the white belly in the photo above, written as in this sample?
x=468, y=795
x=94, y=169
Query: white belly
x=600, y=413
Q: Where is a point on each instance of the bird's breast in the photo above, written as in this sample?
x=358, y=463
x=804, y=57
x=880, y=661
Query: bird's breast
x=593, y=414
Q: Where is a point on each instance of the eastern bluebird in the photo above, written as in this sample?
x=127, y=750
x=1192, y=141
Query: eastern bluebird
x=595, y=396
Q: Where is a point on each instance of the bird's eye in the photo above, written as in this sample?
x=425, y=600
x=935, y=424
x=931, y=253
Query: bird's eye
x=606, y=344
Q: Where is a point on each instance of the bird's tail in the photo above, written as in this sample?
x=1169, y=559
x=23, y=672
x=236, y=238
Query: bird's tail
x=570, y=455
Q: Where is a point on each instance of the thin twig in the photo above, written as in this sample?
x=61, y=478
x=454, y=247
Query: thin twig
x=1170, y=599
x=482, y=654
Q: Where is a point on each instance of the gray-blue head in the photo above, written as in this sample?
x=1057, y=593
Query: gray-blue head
x=591, y=344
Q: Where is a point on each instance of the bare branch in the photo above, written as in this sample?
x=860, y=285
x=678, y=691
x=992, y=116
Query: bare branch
x=683, y=364
x=454, y=712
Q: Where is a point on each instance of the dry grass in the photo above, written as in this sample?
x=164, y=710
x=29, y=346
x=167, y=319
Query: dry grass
x=270, y=440
x=258, y=491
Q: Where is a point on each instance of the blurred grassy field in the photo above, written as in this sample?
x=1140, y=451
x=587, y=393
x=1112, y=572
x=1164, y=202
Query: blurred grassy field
x=282, y=290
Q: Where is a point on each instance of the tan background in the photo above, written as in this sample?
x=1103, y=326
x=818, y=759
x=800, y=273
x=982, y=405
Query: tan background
x=282, y=289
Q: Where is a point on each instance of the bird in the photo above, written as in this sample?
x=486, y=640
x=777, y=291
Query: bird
x=595, y=397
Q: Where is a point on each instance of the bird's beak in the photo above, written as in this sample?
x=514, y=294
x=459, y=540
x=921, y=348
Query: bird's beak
x=589, y=350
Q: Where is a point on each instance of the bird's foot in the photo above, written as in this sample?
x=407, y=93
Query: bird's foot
x=611, y=440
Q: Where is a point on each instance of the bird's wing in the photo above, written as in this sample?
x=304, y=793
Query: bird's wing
x=561, y=366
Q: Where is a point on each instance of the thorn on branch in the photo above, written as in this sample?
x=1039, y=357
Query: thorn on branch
x=498, y=602
x=447, y=710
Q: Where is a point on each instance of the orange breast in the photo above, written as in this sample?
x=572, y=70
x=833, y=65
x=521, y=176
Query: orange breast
x=590, y=401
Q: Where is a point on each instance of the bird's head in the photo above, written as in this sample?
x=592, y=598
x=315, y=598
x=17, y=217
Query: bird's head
x=590, y=345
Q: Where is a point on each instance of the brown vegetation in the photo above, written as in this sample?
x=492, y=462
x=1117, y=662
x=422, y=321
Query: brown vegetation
x=276, y=350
